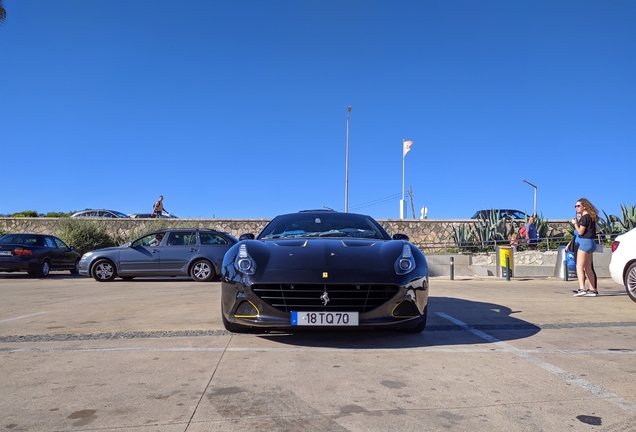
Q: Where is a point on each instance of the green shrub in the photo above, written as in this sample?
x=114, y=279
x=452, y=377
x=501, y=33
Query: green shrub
x=58, y=214
x=26, y=213
x=85, y=235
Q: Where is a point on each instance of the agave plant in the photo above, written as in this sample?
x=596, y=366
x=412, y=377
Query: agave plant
x=480, y=234
x=609, y=226
x=612, y=225
x=628, y=213
x=542, y=226
x=462, y=236
x=498, y=228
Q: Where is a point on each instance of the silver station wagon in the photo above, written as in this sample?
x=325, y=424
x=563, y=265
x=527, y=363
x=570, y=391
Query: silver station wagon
x=197, y=253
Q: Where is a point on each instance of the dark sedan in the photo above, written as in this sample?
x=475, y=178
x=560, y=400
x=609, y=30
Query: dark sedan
x=197, y=253
x=150, y=216
x=36, y=254
x=324, y=269
x=500, y=214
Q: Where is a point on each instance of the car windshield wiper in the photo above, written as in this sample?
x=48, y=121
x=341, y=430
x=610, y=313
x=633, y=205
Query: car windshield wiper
x=284, y=235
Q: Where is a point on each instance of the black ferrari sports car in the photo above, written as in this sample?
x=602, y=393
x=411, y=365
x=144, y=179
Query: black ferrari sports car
x=324, y=269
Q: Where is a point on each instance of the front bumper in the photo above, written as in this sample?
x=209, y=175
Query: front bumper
x=242, y=305
x=84, y=267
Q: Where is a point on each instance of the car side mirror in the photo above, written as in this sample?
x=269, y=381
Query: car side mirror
x=248, y=236
x=72, y=248
x=400, y=236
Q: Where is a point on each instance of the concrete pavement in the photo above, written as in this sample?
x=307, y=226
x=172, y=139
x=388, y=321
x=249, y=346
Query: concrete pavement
x=152, y=355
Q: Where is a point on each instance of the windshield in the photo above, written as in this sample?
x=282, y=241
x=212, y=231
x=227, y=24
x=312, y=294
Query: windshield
x=323, y=224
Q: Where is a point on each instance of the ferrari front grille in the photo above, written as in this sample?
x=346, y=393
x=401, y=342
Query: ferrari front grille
x=310, y=297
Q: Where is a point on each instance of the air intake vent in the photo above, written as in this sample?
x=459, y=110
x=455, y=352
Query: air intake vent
x=307, y=297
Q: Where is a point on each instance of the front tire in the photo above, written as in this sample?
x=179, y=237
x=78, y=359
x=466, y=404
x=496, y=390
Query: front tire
x=234, y=328
x=630, y=281
x=202, y=271
x=104, y=271
x=421, y=325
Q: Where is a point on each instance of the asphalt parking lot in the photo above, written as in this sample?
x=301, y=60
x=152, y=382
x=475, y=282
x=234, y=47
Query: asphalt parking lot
x=152, y=355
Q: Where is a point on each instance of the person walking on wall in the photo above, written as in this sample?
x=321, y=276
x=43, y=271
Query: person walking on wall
x=157, y=209
x=531, y=233
x=585, y=226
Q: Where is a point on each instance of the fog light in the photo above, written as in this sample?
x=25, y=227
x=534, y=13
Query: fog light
x=405, y=309
x=246, y=310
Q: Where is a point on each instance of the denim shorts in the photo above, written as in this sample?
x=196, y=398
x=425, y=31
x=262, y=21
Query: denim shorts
x=586, y=245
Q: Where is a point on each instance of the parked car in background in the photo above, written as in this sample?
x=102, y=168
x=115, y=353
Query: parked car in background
x=502, y=213
x=150, y=215
x=99, y=214
x=197, y=253
x=36, y=254
x=622, y=265
x=324, y=269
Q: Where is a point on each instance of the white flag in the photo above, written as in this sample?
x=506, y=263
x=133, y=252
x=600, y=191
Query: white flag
x=407, y=146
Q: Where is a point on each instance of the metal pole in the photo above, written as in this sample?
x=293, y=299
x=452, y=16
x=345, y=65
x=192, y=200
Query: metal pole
x=507, y=267
x=402, y=205
x=534, y=212
x=452, y=268
x=347, y=164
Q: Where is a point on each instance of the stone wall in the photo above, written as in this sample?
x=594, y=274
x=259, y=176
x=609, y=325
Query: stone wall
x=429, y=235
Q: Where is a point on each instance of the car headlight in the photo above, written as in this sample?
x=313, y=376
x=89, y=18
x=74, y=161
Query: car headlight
x=244, y=262
x=86, y=255
x=405, y=262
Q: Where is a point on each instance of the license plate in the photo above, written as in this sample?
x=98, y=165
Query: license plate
x=6, y=253
x=324, y=318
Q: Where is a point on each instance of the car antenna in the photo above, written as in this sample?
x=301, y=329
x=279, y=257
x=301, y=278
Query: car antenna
x=328, y=208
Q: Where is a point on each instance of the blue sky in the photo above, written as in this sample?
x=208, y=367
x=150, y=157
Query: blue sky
x=238, y=109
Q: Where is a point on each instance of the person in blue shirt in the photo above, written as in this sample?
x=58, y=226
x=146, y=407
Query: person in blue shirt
x=531, y=233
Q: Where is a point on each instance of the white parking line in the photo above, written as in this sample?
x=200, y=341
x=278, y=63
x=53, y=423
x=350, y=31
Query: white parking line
x=599, y=392
x=23, y=316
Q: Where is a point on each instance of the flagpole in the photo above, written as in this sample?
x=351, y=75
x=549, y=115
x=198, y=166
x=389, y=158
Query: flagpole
x=347, y=164
x=402, y=200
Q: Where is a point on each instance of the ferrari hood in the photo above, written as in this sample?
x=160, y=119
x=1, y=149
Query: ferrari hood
x=318, y=260
x=331, y=253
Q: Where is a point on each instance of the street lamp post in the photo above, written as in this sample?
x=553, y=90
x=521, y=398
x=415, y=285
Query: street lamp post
x=534, y=213
x=347, y=164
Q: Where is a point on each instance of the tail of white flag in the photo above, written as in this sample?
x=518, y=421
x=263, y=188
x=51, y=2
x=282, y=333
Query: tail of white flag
x=406, y=146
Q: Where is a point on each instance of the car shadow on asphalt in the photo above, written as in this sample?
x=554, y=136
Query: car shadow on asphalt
x=495, y=320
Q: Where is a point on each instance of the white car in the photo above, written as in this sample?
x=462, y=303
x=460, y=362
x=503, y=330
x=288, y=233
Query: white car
x=623, y=263
x=101, y=213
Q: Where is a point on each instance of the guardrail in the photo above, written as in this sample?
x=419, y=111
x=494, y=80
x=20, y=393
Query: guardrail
x=543, y=244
